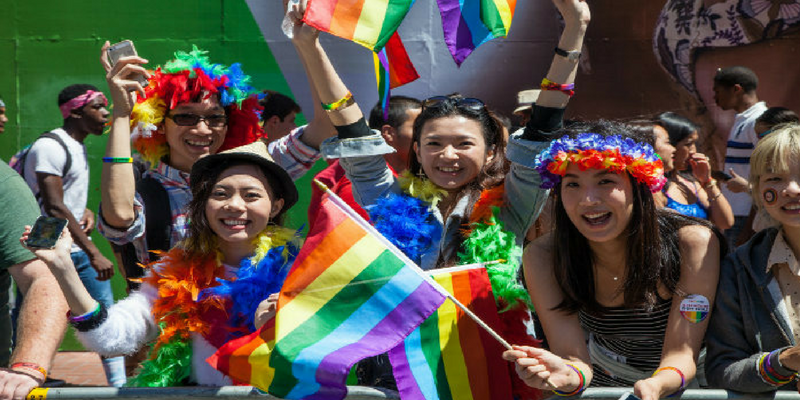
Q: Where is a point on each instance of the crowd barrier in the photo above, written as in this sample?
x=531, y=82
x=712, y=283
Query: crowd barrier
x=690, y=394
x=225, y=392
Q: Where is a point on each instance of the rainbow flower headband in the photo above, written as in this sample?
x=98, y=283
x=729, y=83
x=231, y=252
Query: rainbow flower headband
x=613, y=153
x=188, y=77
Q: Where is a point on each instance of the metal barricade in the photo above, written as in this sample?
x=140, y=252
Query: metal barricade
x=690, y=394
x=225, y=392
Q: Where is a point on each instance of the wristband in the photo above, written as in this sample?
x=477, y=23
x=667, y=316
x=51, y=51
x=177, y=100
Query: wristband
x=769, y=374
x=683, y=378
x=89, y=321
x=30, y=366
x=567, y=89
x=355, y=130
x=344, y=102
x=581, y=386
x=118, y=160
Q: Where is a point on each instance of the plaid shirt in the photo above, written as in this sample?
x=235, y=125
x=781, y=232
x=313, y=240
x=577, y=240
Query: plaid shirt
x=289, y=152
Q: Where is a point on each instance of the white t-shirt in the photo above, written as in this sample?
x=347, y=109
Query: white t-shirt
x=47, y=156
x=741, y=142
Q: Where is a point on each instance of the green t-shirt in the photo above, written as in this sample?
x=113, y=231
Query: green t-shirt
x=19, y=209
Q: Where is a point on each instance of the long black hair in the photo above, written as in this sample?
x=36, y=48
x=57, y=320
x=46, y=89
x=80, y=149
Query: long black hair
x=652, y=256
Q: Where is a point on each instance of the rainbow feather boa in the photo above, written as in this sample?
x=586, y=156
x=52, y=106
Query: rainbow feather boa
x=194, y=297
x=406, y=220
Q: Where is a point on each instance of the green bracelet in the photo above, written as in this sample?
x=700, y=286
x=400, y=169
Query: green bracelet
x=118, y=160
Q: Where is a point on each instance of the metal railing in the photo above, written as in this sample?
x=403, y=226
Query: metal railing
x=225, y=392
x=691, y=394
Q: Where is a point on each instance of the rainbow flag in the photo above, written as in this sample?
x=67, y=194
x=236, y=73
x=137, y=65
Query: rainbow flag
x=468, y=24
x=393, y=68
x=349, y=295
x=449, y=356
x=369, y=23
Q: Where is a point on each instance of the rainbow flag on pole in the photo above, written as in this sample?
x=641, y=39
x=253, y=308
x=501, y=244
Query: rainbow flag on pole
x=468, y=24
x=393, y=68
x=449, y=356
x=367, y=22
x=350, y=295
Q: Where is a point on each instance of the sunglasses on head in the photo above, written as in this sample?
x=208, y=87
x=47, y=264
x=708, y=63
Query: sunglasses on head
x=466, y=103
x=188, y=119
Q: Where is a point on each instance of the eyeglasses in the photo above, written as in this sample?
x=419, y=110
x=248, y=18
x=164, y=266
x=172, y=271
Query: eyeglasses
x=466, y=103
x=213, y=121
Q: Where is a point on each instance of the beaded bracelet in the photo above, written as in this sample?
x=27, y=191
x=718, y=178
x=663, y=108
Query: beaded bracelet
x=581, y=386
x=345, y=101
x=768, y=373
x=683, y=378
x=568, y=89
x=115, y=160
x=32, y=367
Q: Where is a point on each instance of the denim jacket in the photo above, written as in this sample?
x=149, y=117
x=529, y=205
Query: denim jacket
x=749, y=319
x=363, y=162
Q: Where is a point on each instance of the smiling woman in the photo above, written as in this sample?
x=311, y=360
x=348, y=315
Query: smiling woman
x=615, y=263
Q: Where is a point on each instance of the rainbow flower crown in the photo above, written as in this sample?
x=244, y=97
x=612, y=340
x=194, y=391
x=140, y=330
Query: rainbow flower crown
x=590, y=150
x=185, y=79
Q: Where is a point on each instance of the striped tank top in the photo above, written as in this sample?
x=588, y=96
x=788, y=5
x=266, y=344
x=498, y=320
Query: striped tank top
x=631, y=336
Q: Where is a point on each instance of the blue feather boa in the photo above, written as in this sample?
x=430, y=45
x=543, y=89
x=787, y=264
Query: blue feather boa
x=406, y=222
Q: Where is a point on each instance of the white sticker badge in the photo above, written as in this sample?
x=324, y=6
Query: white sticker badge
x=695, y=308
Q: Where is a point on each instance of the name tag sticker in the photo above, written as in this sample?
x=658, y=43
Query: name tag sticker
x=695, y=308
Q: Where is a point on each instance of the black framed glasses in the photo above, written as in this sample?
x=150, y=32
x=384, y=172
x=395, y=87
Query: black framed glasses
x=187, y=119
x=467, y=103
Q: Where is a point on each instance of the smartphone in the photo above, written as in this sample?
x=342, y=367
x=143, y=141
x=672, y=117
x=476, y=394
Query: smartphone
x=629, y=396
x=45, y=232
x=721, y=176
x=124, y=49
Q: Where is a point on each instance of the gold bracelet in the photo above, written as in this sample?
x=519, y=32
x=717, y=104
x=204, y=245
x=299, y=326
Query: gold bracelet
x=711, y=182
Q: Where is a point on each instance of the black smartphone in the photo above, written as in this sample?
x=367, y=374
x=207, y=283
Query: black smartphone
x=45, y=232
x=721, y=176
x=629, y=396
x=124, y=48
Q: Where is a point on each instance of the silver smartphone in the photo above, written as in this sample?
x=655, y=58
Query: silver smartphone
x=45, y=232
x=125, y=48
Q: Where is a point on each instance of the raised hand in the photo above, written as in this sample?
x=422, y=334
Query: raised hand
x=701, y=169
x=302, y=33
x=574, y=11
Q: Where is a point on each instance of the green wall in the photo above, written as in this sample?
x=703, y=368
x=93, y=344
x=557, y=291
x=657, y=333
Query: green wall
x=47, y=45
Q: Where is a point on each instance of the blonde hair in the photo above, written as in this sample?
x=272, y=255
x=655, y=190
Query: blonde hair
x=773, y=154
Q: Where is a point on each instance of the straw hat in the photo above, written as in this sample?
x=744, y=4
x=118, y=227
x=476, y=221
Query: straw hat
x=525, y=100
x=255, y=153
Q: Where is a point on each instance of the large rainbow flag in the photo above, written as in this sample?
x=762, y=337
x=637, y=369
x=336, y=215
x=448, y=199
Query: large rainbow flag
x=449, y=356
x=468, y=24
x=350, y=295
x=367, y=22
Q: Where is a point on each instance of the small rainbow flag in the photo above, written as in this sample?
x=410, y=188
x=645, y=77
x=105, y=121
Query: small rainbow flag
x=369, y=23
x=393, y=68
x=350, y=295
x=449, y=356
x=468, y=24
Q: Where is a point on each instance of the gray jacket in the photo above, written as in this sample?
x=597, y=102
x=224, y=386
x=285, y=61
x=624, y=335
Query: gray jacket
x=749, y=319
x=363, y=162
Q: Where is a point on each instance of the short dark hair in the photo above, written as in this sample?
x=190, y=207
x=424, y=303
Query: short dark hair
x=778, y=115
x=678, y=127
x=398, y=105
x=72, y=91
x=279, y=104
x=737, y=75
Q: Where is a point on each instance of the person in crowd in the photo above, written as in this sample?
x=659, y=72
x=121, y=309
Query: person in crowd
x=690, y=188
x=753, y=335
x=235, y=255
x=279, y=114
x=56, y=168
x=173, y=125
x=43, y=306
x=460, y=168
x=735, y=89
x=3, y=116
x=525, y=101
x=773, y=117
x=396, y=130
x=617, y=268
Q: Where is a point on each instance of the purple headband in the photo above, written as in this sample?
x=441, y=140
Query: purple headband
x=81, y=101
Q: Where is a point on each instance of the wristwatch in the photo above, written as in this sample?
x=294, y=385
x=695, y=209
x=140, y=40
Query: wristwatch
x=573, y=56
